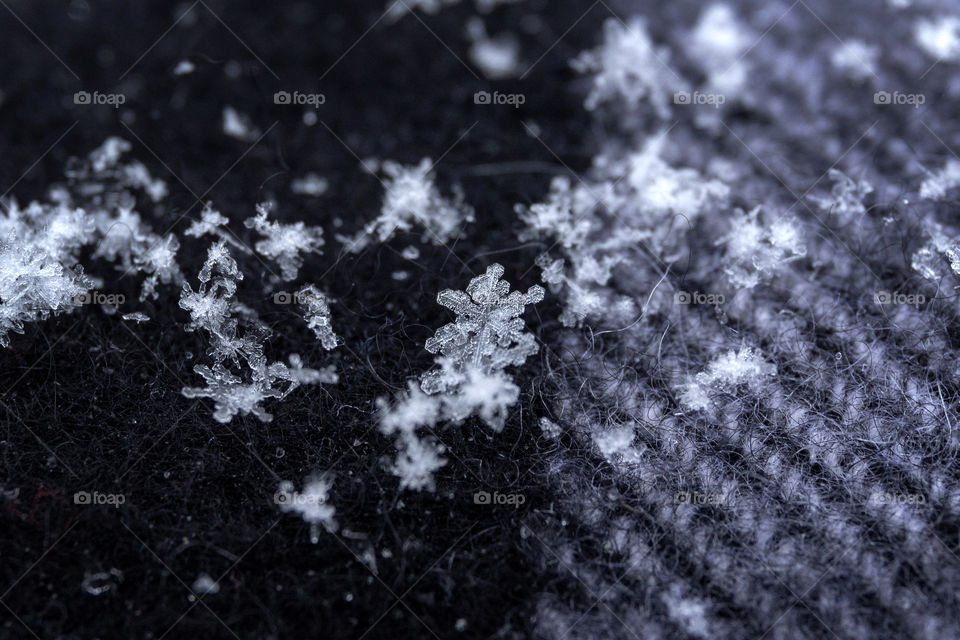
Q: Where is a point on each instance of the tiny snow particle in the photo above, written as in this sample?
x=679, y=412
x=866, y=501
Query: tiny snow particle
x=237, y=125
x=316, y=312
x=137, y=317
x=550, y=428
x=497, y=57
x=309, y=185
x=311, y=504
x=204, y=584
x=183, y=68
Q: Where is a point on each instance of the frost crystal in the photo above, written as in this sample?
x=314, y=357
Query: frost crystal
x=316, y=312
x=723, y=375
x=312, y=504
x=411, y=196
x=628, y=66
x=211, y=309
x=754, y=251
x=487, y=337
x=284, y=242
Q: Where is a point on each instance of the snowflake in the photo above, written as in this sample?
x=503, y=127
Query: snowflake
x=312, y=504
x=284, y=242
x=316, y=312
x=412, y=197
x=488, y=335
x=629, y=67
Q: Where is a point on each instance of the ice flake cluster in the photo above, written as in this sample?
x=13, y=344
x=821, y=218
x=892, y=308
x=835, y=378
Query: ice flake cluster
x=40, y=245
x=284, y=243
x=487, y=337
x=755, y=251
x=212, y=309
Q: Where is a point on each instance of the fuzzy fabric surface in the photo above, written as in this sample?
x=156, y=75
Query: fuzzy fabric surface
x=558, y=320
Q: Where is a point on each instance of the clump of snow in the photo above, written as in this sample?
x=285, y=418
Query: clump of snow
x=939, y=38
x=940, y=182
x=755, y=251
x=724, y=374
x=856, y=59
x=846, y=196
x=717, y=44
